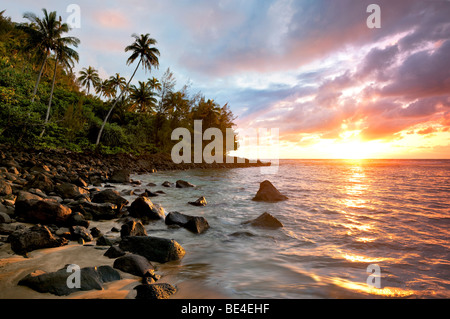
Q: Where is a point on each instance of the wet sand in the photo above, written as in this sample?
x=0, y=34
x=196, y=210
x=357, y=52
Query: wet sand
x=14, y=267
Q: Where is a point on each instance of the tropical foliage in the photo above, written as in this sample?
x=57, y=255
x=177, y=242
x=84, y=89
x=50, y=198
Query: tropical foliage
x=45, y=104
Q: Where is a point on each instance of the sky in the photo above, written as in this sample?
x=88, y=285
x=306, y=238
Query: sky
x=310, y=71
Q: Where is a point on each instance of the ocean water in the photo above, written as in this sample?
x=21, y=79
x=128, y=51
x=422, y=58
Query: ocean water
x=341, y=217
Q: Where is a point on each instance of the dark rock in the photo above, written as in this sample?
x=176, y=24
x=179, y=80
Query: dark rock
x=127, y=192
x=110, y=196
x=148, y=193
x=23, y=195
x=133, y=182
x=103, y=241
x=115, y=230
x=153, y=248
x=42, y=182
x=8, y=229
x=168, y=184
x=5, y=188
x=133, y=228
x=194, y=224
x=56, y=282
x=40, y=168
x=144, y=209
x=96, y=211
x=4, y=218
x=183, y=184
x=120, y=176
x=242, y=234
x=114, y=252
x=63, y=232
x=199, y=202
x=95, y=232
x=77, y=219
x=36, y=237
x=78, y=232
x=68, y=190
x=151, y=278
x=45, y=211
x=266, y=221
x=151, y=184
x=80, y=182
x=134, y=264
x=268, y=193
x=155, y=291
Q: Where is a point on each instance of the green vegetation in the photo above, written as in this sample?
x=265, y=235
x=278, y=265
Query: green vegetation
x=44, y=104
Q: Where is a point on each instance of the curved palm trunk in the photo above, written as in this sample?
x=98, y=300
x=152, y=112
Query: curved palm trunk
x=114, y=105
x=50, y=100
x=39, y=77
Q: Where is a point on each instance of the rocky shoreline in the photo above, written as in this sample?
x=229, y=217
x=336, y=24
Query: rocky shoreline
x=51, y=199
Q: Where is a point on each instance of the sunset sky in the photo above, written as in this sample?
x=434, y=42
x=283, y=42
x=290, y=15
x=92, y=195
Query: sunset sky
x=312, y=69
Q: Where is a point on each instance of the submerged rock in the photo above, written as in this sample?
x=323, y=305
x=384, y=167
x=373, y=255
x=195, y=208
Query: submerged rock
x=57, y=282
x=183, y=184
x=134, y=264
x=155, y=291
x=194, y=224
x=266, y=221
x=199, y=202
x=168, y=184
x=153, y=248
x=114, y=252
x=268, y=193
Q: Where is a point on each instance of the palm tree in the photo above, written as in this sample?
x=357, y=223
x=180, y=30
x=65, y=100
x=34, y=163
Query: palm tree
x=117, y=83
x=141, y=49
x=154, y=84
x=142, y=98
x=89, y=76
x=66, y=56
x=44, y=33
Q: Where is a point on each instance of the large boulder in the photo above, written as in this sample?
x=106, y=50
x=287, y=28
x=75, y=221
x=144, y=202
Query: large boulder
x=144, y=209
x=153, y=248
x=266, y=221
x=268, y=193
x=44, y=211
x=194, y=224
x=23, y=195
x=68, y=190
x=132, y=228
x=36, y=237
x=110, y=196
x=183, y=184
x=120, y=176
x=155, y=291
x=57, y=282
x=134, y=264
